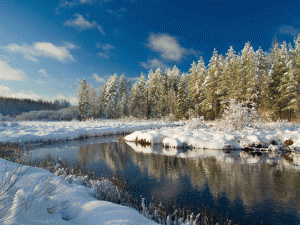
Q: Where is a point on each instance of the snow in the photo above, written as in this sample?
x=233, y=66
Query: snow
x=39, y=131
x=39, y=197
x=207, y=137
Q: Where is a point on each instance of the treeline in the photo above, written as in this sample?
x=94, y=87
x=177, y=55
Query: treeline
x=15, y=106
x=268, y=81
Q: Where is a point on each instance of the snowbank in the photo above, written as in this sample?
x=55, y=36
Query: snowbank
x=210, y=138
x=38, y=131
x=35, y=196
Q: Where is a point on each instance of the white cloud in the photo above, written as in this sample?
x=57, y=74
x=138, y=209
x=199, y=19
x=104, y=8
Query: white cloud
x=82, y=24
x=101, y=54
x=9, y=73
x=153, y=64
x=105, y=47
x=98, y=79
x=43, y=72
x=167, y=46
x=289, y=30
x=42, y=49
x=106, y=50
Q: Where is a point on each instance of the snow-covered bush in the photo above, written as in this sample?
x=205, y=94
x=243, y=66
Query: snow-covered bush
x=170, y=118
x=237, y=117
x=195, y=123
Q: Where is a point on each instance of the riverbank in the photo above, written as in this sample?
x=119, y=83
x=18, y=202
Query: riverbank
x=31, y=195
x=265, y=137
x=59, y=131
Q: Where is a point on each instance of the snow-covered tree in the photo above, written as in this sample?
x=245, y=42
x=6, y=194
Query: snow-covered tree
x=124, y=91
x=249, y=75
x=111, y=97
x=263, y=66
x=182, y=103
x=83, y=101
x=211, y=103
x=278, y=68
x=155, y=88
x=195, y=87
x=229, y=84
x=138, y=98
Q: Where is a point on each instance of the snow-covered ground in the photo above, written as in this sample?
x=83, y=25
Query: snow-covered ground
x=30, y=195
x=39, y=131
x=270, y=136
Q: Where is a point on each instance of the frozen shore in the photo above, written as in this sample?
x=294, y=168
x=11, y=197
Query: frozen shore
x=272, y=136
x=40, y=131
x=34, y=196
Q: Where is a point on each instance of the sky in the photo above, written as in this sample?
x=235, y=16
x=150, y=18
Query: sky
x=48, y=47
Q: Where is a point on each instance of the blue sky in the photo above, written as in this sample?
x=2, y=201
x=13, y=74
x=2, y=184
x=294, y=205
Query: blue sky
x=48, y=47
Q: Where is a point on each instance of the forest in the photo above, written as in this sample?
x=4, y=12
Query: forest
x=14, y=106
x=269, y=82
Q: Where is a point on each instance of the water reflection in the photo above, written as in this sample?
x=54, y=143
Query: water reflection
x=264, y=187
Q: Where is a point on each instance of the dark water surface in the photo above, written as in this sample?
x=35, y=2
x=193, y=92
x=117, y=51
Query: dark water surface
x=263, y=188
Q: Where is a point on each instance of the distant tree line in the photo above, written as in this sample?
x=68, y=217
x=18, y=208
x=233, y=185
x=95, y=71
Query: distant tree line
x=15, y=106
x=268, y=81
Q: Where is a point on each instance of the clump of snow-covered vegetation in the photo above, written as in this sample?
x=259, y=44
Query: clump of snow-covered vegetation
x=237, y=117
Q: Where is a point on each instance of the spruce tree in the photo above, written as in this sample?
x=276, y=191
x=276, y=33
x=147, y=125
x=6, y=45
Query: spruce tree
x=138, y=98
x=211, y=103
x=83, y=101
x=181, y=103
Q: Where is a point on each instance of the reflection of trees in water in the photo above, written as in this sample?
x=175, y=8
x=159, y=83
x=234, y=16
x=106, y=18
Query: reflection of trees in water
x=237, y=178
x=253, y=183
x=112, y=153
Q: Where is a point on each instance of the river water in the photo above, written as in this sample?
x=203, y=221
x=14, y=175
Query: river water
x=258, y=188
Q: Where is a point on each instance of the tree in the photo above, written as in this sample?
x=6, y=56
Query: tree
x=155, y=88
x=211, y=103
x=249, y=73
x=93, y=102
x=83, y=101
x=181, y=103
x=111, y=97
x=124, y=89
x=278, y=68
x=138, y=98
x=229, y=80
x=195, y=87
x=263, y=66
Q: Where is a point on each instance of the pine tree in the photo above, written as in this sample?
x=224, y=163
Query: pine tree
x=195, y=87
x=263, y=65
x=290, y=81
x=278, y=68
x=83, y=103
x=229, y=79
x=138, y=98
x=93, y=102
x=122, y=107
x=250, y=75
x=111, y=97
x=181, y=103
x=211, y=103
x=155, y=88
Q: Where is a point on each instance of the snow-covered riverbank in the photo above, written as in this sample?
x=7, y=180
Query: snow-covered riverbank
x=39, y=131
x=30, y=195
x=271, y=136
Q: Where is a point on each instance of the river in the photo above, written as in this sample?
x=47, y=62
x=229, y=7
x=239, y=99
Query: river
x=258, y=188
